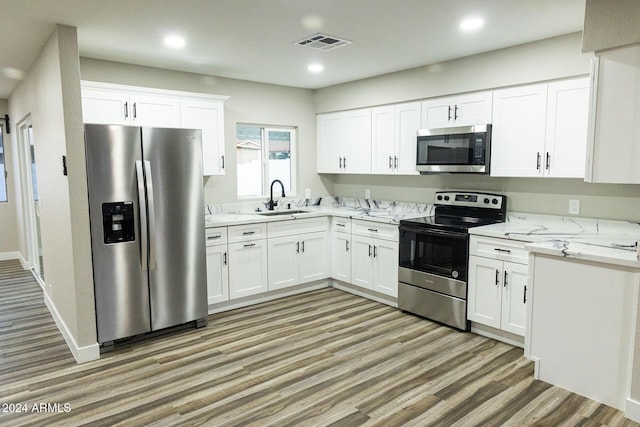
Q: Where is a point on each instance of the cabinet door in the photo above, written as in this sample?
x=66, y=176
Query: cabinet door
x=152, y=110
x=106, y=107
x=383, y=140
x=437, y=113
x=331, y=136
x=247, y=268
x=515, y=278
x=314, y=256
x=485, y=291
x=567, y=116
x=217, y=274
x=615, y=118
x=341, y=256
x=473, y=109
x=362, y=262
x=385, y=267
x=208, y=116
x=284, y=261
x=357, y=145
x=519, y=128
x=407, y=125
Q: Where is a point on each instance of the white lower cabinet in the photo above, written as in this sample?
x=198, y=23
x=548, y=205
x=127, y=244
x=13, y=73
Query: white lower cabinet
x=497, y=285
x=247, y=268
x=217, y=259
x=341, y=249
x=374, y=264
x=296, y=256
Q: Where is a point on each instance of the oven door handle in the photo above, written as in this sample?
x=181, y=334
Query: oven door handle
x=433, y=232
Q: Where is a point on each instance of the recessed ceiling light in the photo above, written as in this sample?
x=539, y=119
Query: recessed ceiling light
x=315, y=68
x=174, y=41
x=471, y=24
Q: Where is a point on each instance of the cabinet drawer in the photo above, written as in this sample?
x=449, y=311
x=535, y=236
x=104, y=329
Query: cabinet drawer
x=341, y=225
x=244, y=233
x=375, y=229
x=216, y=236
x=297, y=226
x=501, y=249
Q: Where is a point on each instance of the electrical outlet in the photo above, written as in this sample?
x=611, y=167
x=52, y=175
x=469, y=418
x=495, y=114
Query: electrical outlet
x=307, y=193
x=367, y=194
x=574, y=207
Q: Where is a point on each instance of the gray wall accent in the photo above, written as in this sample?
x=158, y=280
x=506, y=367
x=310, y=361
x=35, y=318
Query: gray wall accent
x=609, y=24
x=249, y=102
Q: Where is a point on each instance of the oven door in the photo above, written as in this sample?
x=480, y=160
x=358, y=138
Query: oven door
x=442, y=253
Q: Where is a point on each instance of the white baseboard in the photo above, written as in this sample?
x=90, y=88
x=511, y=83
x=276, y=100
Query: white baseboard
x=497, y=334
x=632, y=410
x=5, y=256
x=81, y=354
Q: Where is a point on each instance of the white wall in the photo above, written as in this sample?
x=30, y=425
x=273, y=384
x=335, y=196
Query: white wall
x=249, y=102
x=50, y=95
x=609, y=24
x=554, y=58
x=8, y=221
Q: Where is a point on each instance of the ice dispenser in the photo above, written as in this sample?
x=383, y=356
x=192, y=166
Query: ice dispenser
x=118, y=222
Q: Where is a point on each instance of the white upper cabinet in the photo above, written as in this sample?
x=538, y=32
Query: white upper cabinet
x=540, y=130
x=614, y=123
x=394, y=131
x=566, y=138
x=208, y=116
x=518, y=132
x=137, y=106
x=344, y=142
x=462, y=110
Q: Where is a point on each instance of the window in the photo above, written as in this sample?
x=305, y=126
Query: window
x=3, y=172
x=264, y=154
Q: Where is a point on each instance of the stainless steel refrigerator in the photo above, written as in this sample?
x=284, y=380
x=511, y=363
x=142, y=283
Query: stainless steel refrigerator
x=146, y=207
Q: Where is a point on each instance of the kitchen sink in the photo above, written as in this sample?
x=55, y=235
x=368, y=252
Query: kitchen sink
x=287, y=212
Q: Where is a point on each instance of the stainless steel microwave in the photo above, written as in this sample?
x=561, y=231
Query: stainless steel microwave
x=464, y=149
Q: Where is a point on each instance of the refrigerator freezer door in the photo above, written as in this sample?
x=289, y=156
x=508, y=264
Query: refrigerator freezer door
x=121, y=288
x=177, y=275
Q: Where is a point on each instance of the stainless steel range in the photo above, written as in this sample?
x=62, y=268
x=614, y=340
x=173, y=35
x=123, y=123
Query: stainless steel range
x=434, y=255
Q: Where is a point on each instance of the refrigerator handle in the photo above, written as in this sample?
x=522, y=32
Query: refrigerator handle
x=142, y=207
x=152, y=218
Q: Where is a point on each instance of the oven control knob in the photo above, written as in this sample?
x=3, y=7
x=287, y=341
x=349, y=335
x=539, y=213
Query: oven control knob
x=486, y=201
x=454, y=274
x=494, y=201
x=439, y=197
x=446, y=198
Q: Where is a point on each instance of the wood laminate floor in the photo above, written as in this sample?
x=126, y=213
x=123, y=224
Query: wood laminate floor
x=322, y=358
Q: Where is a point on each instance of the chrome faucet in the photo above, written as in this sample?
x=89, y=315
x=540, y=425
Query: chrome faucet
x=271, y=202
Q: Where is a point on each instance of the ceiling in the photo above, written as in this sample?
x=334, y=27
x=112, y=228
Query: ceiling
x=255, y=39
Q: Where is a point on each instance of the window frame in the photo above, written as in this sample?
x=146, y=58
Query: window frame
x=264, y=159
x=4, y=177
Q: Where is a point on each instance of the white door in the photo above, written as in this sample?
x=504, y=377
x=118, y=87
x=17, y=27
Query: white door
x=341, y=257
x=217, y=274
x=247, y=268
x=383, y=140
x=357, y=145
x=362, y=262
x=152, y=110
x=567, y=118
x=106, y=107
x=437, y=113
x=407, y=125
x=208, y=116
x=473, y=109
x=515, y=278
x=314, y=256
x=331, y=135
x=386, y=267
x=284, y=261
x=485, y=291
x=519, y=128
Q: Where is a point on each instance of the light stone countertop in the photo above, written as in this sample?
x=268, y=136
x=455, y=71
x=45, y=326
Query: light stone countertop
x=589, y=239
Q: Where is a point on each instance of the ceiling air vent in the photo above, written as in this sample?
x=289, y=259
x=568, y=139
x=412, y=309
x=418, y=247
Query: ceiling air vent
x=323, y=42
